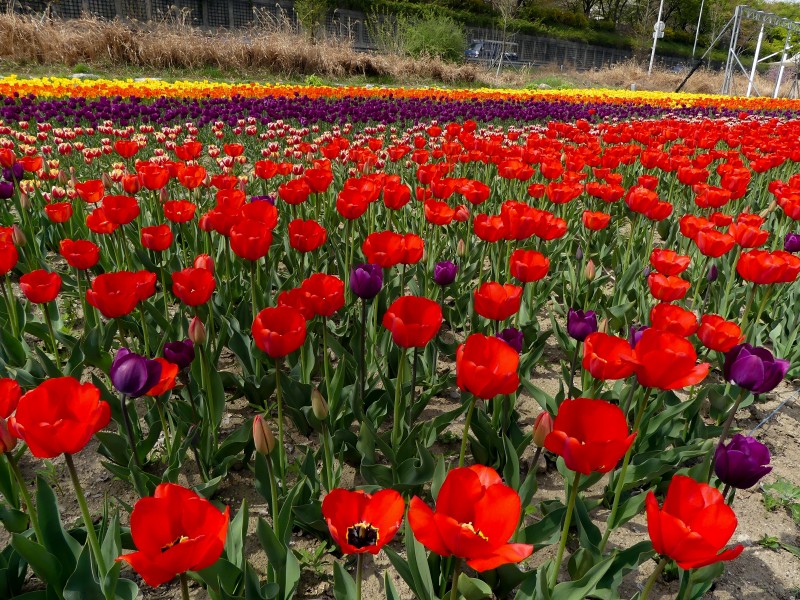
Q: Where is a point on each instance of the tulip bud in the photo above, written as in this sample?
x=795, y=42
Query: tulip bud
x=589, y=271
x=17, y=236
x=603, y=327
x=541, y=427
x=197, y=331
x=579, y=254
x=712, y=274
x=63, y=178
x=163, y=195
x=461, y=248
x=318, y=405
x=7, y=441
x=72, y=178
x=107, y=181
x=24, y=201
x=204, y=261
x=262, y=436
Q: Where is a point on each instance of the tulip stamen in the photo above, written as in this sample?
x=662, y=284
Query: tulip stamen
x=362, y=535
x=478, y=532
x=179, y=540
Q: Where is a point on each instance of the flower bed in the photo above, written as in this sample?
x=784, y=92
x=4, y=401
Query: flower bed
x=198, y=275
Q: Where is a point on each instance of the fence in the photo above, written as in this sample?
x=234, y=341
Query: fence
x=343, y=24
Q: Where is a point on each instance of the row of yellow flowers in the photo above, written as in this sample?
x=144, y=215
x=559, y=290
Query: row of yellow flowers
x=149, y=88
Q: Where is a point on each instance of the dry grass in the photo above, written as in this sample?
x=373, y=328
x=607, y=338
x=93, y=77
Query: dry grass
x=273, y=46
x=173, y=45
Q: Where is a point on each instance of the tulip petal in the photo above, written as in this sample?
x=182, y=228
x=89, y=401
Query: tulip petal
x=505, y=554
x=421, y=520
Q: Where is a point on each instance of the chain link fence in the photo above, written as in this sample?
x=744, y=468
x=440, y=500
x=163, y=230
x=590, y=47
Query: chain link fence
x=341, y=24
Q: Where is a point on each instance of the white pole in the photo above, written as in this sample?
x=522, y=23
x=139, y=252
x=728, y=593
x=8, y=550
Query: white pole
x=755, y=61
x=779, y=79
x=655, y=38
x=697, y=31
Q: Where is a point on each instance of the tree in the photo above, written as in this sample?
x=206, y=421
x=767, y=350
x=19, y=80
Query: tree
x=508, y=11
x=311, y=14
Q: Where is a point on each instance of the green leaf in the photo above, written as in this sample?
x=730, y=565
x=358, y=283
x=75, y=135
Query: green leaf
x=344, y=588
x=420, y=571
x=473, y=589
x=388, y=586
x=583, y=587
x=82, y=584
x=44, y=564
x=57, y=541
x=546, y=531
x=237, y=533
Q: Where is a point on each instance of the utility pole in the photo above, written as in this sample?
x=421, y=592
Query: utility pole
x=697, y=31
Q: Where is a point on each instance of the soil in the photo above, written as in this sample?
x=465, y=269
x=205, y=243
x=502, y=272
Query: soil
x=759, y=574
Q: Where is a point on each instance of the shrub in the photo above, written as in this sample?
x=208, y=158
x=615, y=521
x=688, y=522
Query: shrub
x=435, y=35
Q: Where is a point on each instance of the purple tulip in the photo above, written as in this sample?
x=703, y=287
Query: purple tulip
x=712, y=274
x=366, y=280
x=179, y=353
x=635, y=334
x=513, y=337
x=6, y=190
x=742, y=462
x=791, y=243
x=270, y=198
x=132, y=374
x=754, y=369
x=580, y=324
x=444, y=272
x=646, y=271
x=14, y=173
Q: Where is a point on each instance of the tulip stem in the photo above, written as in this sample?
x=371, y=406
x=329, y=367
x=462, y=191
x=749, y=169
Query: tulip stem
x=413, y=377
x=279, y=402
x=126, y=421
x=456, y=574
x=573, y=366
x=621, y=480
x=726, y=429
x=8, y=295
x=573, y=496
x=52, y=331
x=398, y=400
x=653, y=578
x=333, y=403
x=465, y=435
x=535, y=460
x=686, y=584
x=184, y=587
x=164, y=427
x=362, y=366
x=26, y=497
x=359, y=574
x=273, y=491
x=91, y=536
x=254, y=301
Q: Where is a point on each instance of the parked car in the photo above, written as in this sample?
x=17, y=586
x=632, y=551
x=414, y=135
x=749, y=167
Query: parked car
x=490, y=50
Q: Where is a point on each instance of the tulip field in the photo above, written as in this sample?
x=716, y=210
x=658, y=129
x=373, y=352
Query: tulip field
x=272, y=341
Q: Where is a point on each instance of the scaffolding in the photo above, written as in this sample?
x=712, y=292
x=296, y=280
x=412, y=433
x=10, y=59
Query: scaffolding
x=734, y=65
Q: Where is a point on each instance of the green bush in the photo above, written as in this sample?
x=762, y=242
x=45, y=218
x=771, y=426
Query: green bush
x=435, y=35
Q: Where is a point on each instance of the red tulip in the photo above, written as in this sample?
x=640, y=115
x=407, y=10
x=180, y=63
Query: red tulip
x=667, y=288
x=126, y=148
x=324, y=294
x=306, y=236
x=486, y=366
x=114, y=294
x=595, y=220
x=765, y=268
x=233, y=150
x=193, y=286
x=528, y=265
x=716, y=333
x=120, y=210
x=250, y=239
x=712, y=243
x=261, y=211
x=10, y=393
x=295, y=191
x=385, y=248
x=157, y=237
x=8, y=257
x=497, y=302
x=152, y=176
x=669, y=262
x=747, y=236
x=666, y=361
x=167, y=379
x=319, y=180
x=59, y=416
x=279, y=331
x=590, y=435
x=476, y=514
x=99, y=223
x=693, y=525
x=80, y=254
x=91, y=191
x=673, y=318
x=361, y=522
x=40, y=286
x=179, y=211
x=58, y=212
x=413, y=321
x=607, y=357
x=175, y=531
